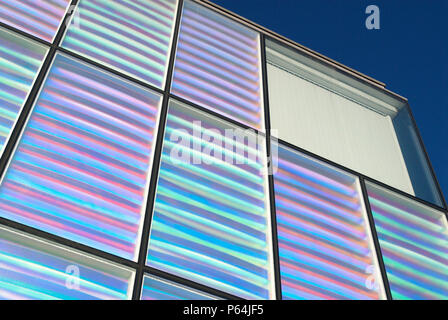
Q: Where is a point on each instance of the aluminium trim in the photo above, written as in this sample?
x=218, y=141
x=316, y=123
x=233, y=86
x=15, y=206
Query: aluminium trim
x=294, y=44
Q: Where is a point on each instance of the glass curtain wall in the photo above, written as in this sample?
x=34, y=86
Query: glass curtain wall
x=134, y=165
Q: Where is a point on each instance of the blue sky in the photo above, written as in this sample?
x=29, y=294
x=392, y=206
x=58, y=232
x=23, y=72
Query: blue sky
x=409, y=53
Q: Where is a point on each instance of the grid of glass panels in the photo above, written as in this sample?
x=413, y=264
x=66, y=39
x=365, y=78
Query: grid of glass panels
x=20, y=62
x=81, y=171
x=320, y=109
x=218, y=65
x=325, y=245
x=131, y=36
x=211, y=220
x=414, y=245
x=159, y=289
x=33, y=268
x=41, y=18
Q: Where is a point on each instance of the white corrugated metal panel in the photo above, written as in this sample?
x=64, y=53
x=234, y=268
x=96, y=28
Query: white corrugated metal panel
x=336, y=128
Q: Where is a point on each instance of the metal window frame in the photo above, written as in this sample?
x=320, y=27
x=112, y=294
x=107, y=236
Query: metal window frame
x=140, y=266
x=376, y=242
x=267, y=115
x=340, y=67
x=144, y=241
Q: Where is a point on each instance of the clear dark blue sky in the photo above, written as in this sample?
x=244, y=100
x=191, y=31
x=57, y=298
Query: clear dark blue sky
x=409, y=53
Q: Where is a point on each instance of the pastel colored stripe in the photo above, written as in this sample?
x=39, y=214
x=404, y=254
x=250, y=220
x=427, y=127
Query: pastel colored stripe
x=158, y=289
x=41, y=18
x=81, y=168
x=414, y=243
x=32, y=268
x=218, y=65
x=20, y=62
x=325, y=248
x=211, y=219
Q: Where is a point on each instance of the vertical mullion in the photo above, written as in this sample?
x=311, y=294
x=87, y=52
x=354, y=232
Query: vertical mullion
x=275, y=250
x=156, y=161
x=65, y=23
x=376, y=241
x=28, y=105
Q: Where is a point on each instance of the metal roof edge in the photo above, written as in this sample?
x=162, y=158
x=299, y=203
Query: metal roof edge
x=341, y=67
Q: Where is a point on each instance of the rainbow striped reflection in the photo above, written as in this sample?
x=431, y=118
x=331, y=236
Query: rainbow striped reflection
x=218, y=65
x=211, y=219
x=158, y=289
x=34, y=269
x=131, y=36
x=20, y=61
x=325, y=246
x=81, y=167
x=414, y=244
x=40, y=18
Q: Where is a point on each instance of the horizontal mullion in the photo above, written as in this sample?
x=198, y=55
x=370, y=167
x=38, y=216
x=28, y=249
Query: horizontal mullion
x=360, y=175
x=109, y=69
x=189, y=283
x=67, y=243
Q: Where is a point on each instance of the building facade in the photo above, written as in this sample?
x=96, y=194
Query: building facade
x=170, y=149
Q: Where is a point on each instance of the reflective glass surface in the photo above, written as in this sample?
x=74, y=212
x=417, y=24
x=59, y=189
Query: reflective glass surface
x=81, y=168
x=158, y=289
x=211, y=221
x=131, y=36
x=33, y=268
x=41, y=18
x=414, y=244
x=20, y=62
x=325, y=244
x=218, y=65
